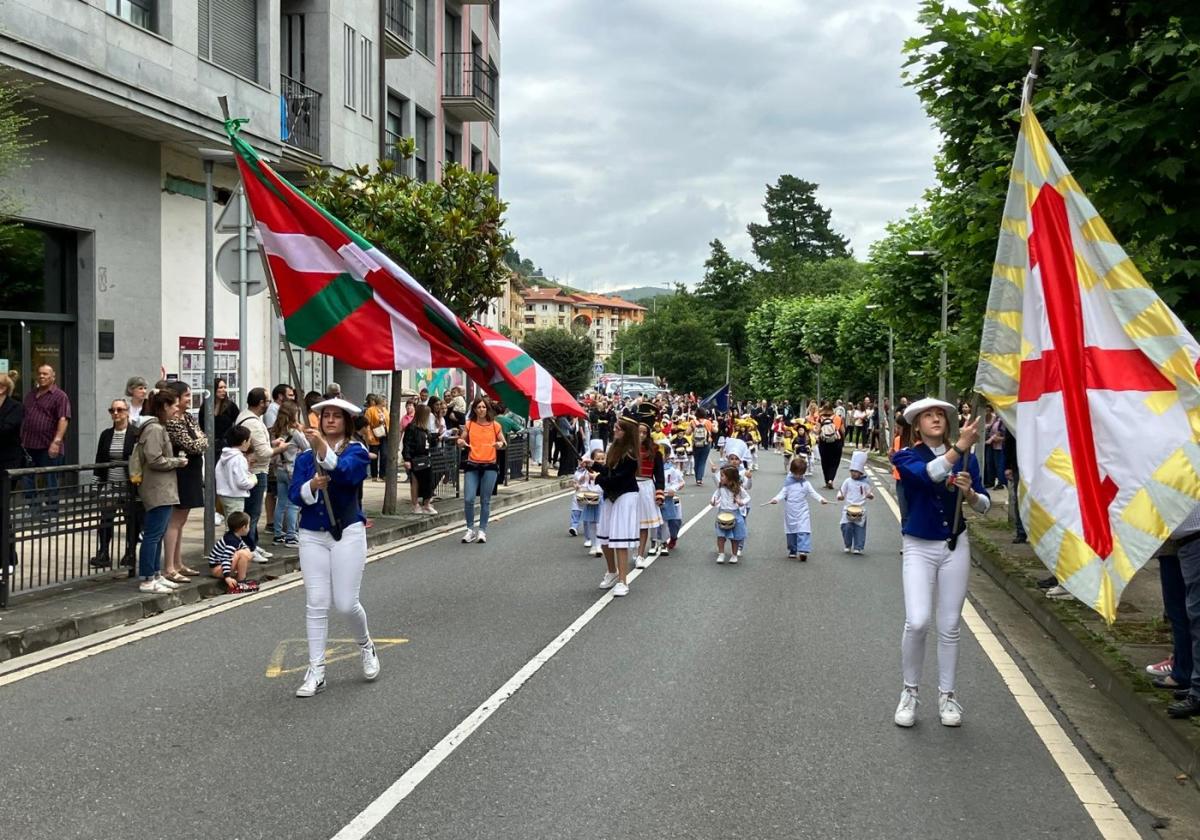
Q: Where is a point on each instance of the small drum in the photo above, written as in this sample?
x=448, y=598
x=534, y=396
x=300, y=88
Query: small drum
x=588, y=497
x=726, y=520
x=854, y=513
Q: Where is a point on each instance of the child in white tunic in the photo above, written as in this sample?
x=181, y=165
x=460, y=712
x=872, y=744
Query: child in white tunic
x=795, y=494
x=855, y=491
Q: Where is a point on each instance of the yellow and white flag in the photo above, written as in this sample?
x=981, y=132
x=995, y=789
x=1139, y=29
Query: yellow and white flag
x=1097, y=378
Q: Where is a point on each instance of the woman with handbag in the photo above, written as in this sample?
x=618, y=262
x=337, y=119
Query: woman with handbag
x=191, y=443
x=333, y=537
x=376, y=435
x=482, y=438
x=417, y=459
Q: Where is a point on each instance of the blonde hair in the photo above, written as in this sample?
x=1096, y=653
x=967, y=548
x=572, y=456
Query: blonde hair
x=6, y=383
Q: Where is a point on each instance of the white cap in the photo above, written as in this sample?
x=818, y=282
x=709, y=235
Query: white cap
x=914, y=410
x=858, y=461
x=338, y=402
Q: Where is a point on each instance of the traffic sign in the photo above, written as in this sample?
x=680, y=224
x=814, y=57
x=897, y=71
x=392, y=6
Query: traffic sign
x=227, y=266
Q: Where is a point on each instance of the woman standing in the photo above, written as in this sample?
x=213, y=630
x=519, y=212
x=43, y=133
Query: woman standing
x=333, y=536
x=287, y=428
x=376, y=435
x=159, y=489
x=617, y=532
x=12, y=455
x=830, y=440
x=189, y=441
x=936, y=550
x=225, y=411
x=483, y=440
x=136, y=389
x=416, y=455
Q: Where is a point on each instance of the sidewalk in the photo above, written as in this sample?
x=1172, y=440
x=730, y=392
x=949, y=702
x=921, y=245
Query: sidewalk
x=1113, y=658
x=50, y=616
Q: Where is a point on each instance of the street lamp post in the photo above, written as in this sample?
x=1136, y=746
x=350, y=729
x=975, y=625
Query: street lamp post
x=945, y=325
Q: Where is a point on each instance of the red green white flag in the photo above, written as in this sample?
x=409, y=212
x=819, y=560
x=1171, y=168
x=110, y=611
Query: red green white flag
x=342, y=296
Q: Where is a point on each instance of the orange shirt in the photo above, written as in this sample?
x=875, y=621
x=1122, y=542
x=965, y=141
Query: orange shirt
x=481, y=441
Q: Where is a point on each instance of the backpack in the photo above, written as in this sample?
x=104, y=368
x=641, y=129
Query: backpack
x=137, y=463
x=829, y=432
x=699, y=435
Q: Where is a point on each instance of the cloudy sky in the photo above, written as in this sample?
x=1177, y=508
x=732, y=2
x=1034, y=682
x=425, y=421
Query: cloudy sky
x=635, y=131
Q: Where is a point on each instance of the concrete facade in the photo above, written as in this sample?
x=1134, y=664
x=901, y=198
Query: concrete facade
x=123, y=110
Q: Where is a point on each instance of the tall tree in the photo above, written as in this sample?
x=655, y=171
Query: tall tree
x=15, y=145
x=566, y=355
x=726, y=294
x=798, y=227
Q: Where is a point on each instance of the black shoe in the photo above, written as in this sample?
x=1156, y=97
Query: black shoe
x=128, y=561
x=1048, y=583
x=1168, y=683
x=100, y=561
x=1186, y=708
x=1019, y=540
x=1181, y=694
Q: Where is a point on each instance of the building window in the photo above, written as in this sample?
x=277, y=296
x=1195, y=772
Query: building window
x=476, y=159
x=228, y=35
x=291, y=46
x=495, y=12
x=423, y=26
x=421, y=135
x=452, y=155
x=368, y=77
x=393, y=131
x=453, y=32
x=349, y=72
x=138, y=12
x=495, y=94
x=529, y=319
x=545, y=307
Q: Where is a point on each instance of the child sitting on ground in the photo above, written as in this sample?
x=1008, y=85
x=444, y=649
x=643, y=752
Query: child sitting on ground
x=730, y=500
x=855, y=491
x=230, y=557
x=797, y=523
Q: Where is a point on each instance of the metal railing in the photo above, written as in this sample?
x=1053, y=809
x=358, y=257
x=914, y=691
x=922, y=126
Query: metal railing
x=301, y=115
x=60, y=524
x=391, y=138
x=468, y=74
x=444, y=459
x=516, y=458
x=398, y=19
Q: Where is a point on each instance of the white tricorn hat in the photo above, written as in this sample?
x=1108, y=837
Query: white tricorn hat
x=337, y=402
x=915, y=409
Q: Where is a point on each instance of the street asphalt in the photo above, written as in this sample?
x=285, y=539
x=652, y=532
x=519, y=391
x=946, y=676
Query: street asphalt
x=752, y=701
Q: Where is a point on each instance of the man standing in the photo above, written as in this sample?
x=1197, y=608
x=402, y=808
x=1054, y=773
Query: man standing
x=47, y=415
x=764, y=417
x=280, y=394
x=262, y=449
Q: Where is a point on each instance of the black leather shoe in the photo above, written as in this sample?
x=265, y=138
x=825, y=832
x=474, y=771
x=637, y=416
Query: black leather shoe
x=1048, y=583
x=1182, y=694
x=1168, y=683
x=100, y=561
x=1186, y=708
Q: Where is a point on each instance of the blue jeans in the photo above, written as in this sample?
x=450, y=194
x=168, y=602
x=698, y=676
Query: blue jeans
x=481, y=483
x=285, y=512
x=854, y=535
x=1189, y=565
x=901, y=502
x=700, y=456
x=254, y=509
x=155, y=525
x=1174, y=595
x=576, y=518
x=993, y=469
x=41, y=458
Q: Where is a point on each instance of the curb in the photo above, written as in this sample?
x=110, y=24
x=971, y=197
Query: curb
x=127, y=605
x=1178, y=740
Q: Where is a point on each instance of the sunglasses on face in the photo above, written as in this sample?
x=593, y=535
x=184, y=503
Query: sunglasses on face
x=118, y=410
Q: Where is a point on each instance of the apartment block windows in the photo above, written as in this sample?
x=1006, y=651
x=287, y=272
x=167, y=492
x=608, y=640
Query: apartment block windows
x=421, y=135
x=423, y=26
x=476, y=159
x=452, y=155
x=350, y=65
x=228, y=35
x=291, y=46
x=138, y=12
x=368, y=69
x=394, y=130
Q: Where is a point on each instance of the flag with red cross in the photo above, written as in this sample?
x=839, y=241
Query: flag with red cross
x=1097, y=378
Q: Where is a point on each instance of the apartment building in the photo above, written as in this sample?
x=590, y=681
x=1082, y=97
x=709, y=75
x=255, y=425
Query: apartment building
x=601, y=316
x=108, y=276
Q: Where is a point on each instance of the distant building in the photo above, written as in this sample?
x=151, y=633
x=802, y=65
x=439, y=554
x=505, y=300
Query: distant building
x=601, y=316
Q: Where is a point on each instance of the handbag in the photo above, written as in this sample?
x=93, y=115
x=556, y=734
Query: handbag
x=380, y=431
x=421, y=462
x=726, y=520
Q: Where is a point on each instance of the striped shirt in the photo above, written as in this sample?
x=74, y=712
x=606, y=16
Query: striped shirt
x=43, y=410
x=116, y=452
x=223, y=551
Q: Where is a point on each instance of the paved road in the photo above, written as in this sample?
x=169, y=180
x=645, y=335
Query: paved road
x=713, y=702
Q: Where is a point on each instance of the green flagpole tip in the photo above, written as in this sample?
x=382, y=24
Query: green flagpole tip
x=234, y=126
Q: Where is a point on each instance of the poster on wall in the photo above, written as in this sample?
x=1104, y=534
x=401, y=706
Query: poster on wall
x=225, y=366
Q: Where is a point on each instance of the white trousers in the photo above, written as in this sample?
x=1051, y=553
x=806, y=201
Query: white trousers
x=929, y=564
x=332, y=571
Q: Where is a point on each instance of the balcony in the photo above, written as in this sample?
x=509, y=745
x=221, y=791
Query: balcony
x=301, y=127
x=393, y=154
x=469, y=93
x=397, y=28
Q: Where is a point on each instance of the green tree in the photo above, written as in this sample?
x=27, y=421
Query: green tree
x=862, y=341
x=15, y=148
x=798, y=227
x=449, y=236
x=811, y=278
x=566, y=355
x=726, y=297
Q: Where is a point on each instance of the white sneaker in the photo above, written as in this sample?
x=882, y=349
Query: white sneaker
x=218, y=520
x=314, y=681
x=720, y=559
x=481, y=536
x=1059, y=593
x=587, y=543
x=261, y=556
x=845, y=549
x=263, y=552
x=430, y=510
x=609, y=580
x=639, y=562
x=857, y=551
x=664, y=552
x=169, y=585
x=153, y=587
x=470, y=536
x=906, y=712
x=597, y=552
x=733, y=558
x=949, y=709
x=370, y=662
x=620, y=590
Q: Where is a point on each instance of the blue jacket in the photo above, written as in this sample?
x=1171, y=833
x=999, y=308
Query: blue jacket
x=930, y=504
x=344, y=480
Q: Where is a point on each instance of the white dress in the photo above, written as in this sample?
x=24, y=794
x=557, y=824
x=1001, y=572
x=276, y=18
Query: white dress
x=795, y=497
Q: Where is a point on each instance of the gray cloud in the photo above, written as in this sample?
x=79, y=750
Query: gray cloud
x=635, y=132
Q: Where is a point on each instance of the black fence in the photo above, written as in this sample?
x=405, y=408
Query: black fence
x=444, y=459
x=516, y=458
x=60, y=524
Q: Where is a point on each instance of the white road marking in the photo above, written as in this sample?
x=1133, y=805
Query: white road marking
x=1110, y=820
x=39, y=662
x=398, y=791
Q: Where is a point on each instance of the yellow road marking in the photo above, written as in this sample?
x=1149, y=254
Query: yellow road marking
x=335, y=649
